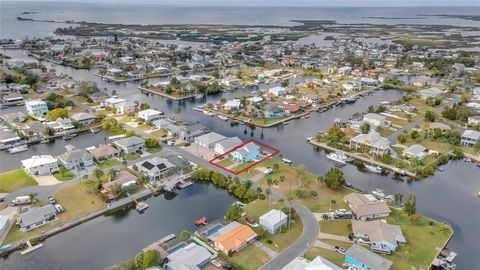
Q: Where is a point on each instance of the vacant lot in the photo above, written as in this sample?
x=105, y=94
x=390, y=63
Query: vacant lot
x=14, y=180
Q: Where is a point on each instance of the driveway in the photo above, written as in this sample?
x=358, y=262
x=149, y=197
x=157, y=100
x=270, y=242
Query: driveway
x=46, y=180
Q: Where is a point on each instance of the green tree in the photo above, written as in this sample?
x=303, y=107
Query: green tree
x=151, y=258
x=98, y=174
x=429, y=116
x=56, y=113
x=334, y=179
x=144, y=106
x=151, y=143
x=411, y=205
x=285, y=83
x=48, y=131
x=365, y=128
x=234, y=213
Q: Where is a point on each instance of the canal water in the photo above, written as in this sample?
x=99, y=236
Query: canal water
x=449, y=196
x=111, y=239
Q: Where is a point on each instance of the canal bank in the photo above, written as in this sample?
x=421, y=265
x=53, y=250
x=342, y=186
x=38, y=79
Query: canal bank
x=446, y=196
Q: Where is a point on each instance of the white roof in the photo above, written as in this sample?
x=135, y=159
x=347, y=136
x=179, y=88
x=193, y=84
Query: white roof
x=273, y=216
x=3, y=222
x=38, y=161
x=276, y=89
x=149, y=112
x=34, y=102
x=114, y=100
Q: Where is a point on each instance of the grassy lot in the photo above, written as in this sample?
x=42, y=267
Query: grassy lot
x=385, y=132
x=325, y=199
x=106, y=163
x=132, y=156
x=423, y=239
x=339, y=227
x=332, y=256
x=420, y=105
x=64, y=176
x=159, y=133
x=153, y=150
x=248, y=258
x=345, y=245
x=14, y=180
x=280, y=241
x=76, y=201
x=225, y=162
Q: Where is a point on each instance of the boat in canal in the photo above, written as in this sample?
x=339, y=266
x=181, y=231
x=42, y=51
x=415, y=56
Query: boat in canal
x=338, y=160
x=374, y=169
x=45, y=140
x=201, y=221
x=94, y=130
x=141, y=207
x=18, y=149
x=208, y=113
x=378, y=193
x=224, y=118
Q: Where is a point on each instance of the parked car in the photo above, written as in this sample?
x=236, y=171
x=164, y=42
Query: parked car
x=227, y=266
x=51, y=200
x=59, y=208
x=216, y=263
x=314, y=193
x=339, y=249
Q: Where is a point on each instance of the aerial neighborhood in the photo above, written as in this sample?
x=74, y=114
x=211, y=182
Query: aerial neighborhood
x=238, y=147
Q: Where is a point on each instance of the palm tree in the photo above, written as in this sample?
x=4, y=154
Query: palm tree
x=398, y=198
x=111, y=174
x=300, y=172
x=33, y=197
x=124, y=162
x=444, y=230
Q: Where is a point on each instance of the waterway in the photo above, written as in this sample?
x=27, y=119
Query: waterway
x=449, y=196
x=111, y=239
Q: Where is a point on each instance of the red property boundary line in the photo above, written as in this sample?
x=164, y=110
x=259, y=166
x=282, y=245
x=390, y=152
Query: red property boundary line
x=275, y=152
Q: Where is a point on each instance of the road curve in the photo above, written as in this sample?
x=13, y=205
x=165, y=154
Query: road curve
x=303, y=243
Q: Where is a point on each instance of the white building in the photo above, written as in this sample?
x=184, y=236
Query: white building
x=36, y=108
x=376, y=120
x=233, y=104
x=278, y=91
x=83, y=119
x=40, y=165
x=75, y=158
x=226, y=145
x=209, y=140
x=273, y=220
x=150, y=115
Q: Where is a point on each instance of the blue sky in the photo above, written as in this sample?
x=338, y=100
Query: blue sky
x=319, y=3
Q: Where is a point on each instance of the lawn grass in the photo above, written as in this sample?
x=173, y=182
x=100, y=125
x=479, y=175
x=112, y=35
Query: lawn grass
x=280, y=241
x=345, y=245
x=64, y=176
x=338, y=227
x=76, y=201
x=225, y=162
x=423, y=239
x=326, y=200
x=132, y=156
x=106, y=163
x=14, y=180
x=329, y=255
x=153, y=150
x=249, y=258
x=159, y=133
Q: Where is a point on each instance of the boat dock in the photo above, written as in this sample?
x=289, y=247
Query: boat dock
x=364, y=159
x=30, y=248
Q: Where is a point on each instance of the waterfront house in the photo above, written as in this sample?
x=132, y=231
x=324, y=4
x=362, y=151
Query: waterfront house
x=130, y=145
x=383, y=237
x=13, y=99
x=360, y=258
x=36, y=108
x=432, y=92
x=365, y=206
x=61, y=125
x=470, y=137
x=126, y=180
x=416, y=151
x=104, y=151
x=375, y=143
x=40, y=165
x=150, y=115
x=226, y=145
x=209, y=140
x=180, y=164
x=376, y=120
x=368, y=82
x=112, y=101
x=83, y=119
x=155, y=168
x=233, y=104
x=344, y=70
x=9, y=138
x=291, y=107
x=189, y=133
x=75, y=158
x=273, y=111
x=162, y=124
x=246, y=153
x=233, y=237
x=439, y=126
x=36, y=217
x=190, y=256
x=124, y=107
x=278, y=91
x=352, y=86
x=273, y=220
x=114, y=72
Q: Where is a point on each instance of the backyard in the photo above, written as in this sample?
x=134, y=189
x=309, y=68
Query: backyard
x=249, y=258
x=14, y=180
x=106, y=163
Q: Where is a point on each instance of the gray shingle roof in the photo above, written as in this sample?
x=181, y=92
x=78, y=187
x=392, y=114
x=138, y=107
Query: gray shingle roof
x=368, y=258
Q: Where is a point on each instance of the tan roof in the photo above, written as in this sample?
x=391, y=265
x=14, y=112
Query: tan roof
x=376, y=230
x=365, y=205
x=440, y=126
x=103, y=151
x=236, y=237
x=121, y=178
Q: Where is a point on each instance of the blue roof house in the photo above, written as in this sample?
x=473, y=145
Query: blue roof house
x=273, y=111
x=246, y=153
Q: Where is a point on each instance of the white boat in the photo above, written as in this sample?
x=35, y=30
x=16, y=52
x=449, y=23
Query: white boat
x=208, y=113
x=379, y=193
x=68, y=136
x=336, y=158
x=345, y=157
x=285, y=123
x=223, y=117
x=45, y=140
x=399, y=171
x=199, y=96
x=18, y=149
x=309, y=139
x=197, y=109
x=141, y=206
x=94, y=130
x=374, y=169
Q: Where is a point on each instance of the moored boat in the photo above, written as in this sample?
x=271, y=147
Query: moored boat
x=94, y=130
x=18, y=149
x=374, y=169
x=141, y=206
x=224, y=118
x=208, y=113
x=337, y=159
